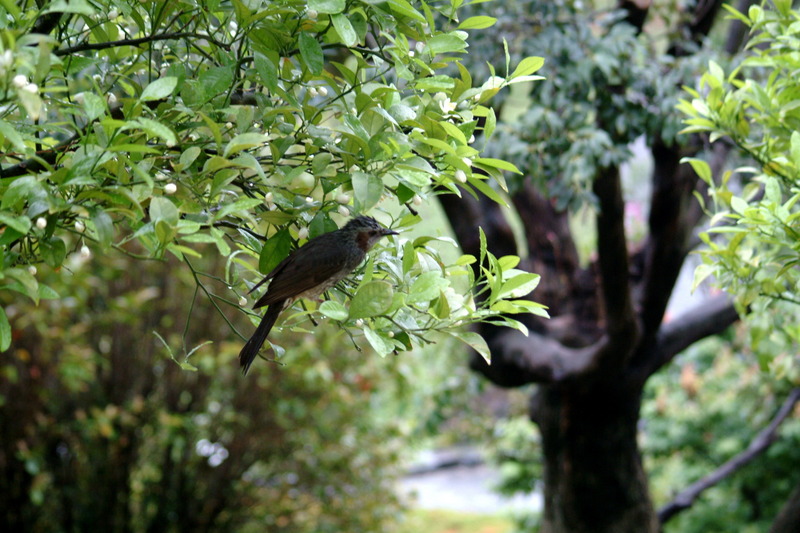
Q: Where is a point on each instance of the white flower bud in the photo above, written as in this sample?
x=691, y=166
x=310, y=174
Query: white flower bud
x=86, y=253
x=41, y=222
x=323, y=91
x=229, y=125
x=32, y=270
x=343, y=198
x=359, y=323
x=31, y=88
x=461, y=176
x=242, y=301
x=419, y=46
x=79, y=226
x=391, y=334
x=113, y=14
x=344, y=211
x=416, y=200
x=303, y=233
x=6, y=60
x=467, y=161
x=111, y=98
x=471, y=139
x=170, y=188
x=20, y=81
x=78, y=98
x=268, y=197
x=312, y=14
x=312, y=92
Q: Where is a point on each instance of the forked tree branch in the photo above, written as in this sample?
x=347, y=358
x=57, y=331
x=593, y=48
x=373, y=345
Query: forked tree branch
x=758, y=445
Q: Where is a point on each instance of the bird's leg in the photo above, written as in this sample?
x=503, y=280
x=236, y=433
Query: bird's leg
x=310, y=317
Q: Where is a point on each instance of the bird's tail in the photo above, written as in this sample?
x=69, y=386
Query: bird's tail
x=251, y=348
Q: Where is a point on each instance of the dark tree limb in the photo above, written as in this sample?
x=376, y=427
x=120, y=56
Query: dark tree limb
x=758, y=445
x=519, y=360
x=40, y=161
x=712, y=317
x=635, y=12
x=135, y=42
x=612, y=250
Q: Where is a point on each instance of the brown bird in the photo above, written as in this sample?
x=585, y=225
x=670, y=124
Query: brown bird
x=309, y=271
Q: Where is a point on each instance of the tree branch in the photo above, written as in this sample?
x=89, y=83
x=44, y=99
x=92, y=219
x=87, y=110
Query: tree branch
x=612, y=250
x=712, y=317
x=518, y=360
x=758, y=445
x=136, y=42
x=40, y=161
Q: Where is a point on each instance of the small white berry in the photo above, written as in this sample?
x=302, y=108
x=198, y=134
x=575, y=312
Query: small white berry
x=32, y=270
x=242, y=301
x=344, y=211
x=86, y=253
x=79, y=226
x=359, y=323
x=391, y=334
x=229, y=125
x=20, y=81
x=41, y=222
x=303, y=233
x=170, y=188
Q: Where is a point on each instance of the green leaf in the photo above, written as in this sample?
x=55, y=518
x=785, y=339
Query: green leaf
x=477, y=23
x=527, y=66
x=274, y=251
x=475, y=341
x=94, y=105
x=21, y=224
x=329, y=7
x=103, y=227
x=372, y=299
x=333, y=309
x=427, y=287
x=163, y=209
x=518, y=286
x=53, y=251
x=28, y=284
x=216, y=80
x=344, y=29
x=367, y=190
x=5, y=331
x=244, y=141
x=160, y=88
x=444, y=43
x=311, y=52
x=379, y=343
x=12, y=136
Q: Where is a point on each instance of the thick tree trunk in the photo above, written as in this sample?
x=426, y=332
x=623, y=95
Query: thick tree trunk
x=594, y=480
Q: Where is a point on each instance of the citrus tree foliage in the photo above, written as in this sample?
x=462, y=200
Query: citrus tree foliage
x=245, y=127
x=753, y=248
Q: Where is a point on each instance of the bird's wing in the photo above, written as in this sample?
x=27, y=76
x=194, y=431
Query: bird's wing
x=305, y=268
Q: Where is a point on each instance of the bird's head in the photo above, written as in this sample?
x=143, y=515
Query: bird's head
x=367, y=231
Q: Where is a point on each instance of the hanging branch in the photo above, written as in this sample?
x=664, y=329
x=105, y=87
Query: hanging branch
x=759, y=445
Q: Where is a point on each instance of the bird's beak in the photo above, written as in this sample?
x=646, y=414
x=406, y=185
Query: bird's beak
x=387, y=232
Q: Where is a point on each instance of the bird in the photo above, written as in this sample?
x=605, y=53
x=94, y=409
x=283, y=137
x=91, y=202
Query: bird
x=309, y=271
